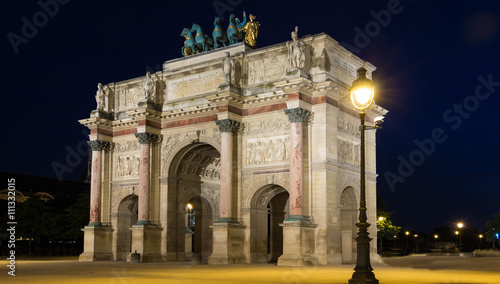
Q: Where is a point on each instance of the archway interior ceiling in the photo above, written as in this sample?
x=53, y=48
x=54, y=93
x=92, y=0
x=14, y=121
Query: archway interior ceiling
x=201, y=162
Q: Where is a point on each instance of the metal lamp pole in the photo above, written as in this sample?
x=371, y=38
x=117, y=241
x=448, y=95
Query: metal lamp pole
x=362, y=100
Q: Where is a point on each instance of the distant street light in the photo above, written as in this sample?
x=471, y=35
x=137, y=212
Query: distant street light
x=456, y=238
x=407, y=234
x=362, y=93
x=436, y=237
x=460, y=225
x=480, y=239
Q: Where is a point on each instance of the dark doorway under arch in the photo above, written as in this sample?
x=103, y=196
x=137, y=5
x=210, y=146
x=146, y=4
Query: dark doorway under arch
x=269, y=209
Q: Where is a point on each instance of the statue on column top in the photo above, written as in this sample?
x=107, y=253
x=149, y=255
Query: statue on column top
x=296, y=51
x=100, y=97
x=229, y=69
x=251, y=29
x=149, y=88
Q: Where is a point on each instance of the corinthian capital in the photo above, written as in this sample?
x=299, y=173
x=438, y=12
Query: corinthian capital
x=98, y=145
x=297, y=114
x=228, y=125
x=146, y=138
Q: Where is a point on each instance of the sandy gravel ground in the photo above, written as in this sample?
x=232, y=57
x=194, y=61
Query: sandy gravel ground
x=411, y=269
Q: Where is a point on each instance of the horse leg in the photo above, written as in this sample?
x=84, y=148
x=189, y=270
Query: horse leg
x=216, y=44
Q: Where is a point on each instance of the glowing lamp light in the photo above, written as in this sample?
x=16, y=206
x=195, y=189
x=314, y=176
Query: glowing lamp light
x=456, y=233
x=407, y=233
x=362, y=91
x=381, y=218
x=189, y=206
x=460, y=225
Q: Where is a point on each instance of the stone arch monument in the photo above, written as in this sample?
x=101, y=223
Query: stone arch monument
x=267, y=154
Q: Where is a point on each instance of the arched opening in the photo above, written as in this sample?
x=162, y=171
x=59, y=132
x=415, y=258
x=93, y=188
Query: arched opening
x=201, y=218
x=269, y=209
x=193, y=178
x=348, y=217
x=127, y=216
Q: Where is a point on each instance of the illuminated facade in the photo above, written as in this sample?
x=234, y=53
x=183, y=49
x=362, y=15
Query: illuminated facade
x=263, y=143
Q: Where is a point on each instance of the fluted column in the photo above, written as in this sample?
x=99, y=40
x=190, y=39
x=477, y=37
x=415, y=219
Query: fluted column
x=96, y=182
x=297, y=117
x=145, y=140
x=227, y=127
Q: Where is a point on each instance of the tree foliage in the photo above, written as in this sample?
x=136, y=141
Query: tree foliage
x=493, y=228
x=386, y=230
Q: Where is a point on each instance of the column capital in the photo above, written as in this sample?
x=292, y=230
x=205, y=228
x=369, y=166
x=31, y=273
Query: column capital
x=227, y=125
x=145, y=137
x=98, y=145
x=297, y=114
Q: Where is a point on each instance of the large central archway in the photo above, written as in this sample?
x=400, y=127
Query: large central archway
x=194, y=178
x=269, y=207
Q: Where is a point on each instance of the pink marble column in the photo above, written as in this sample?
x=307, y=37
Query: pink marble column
x=96, y=182
x=297, y=116
x=227, y=127
x=145, y=140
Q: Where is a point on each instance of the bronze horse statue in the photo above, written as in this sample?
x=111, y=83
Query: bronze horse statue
x=219, y=36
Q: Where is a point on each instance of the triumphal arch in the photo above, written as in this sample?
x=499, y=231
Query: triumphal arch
x=235, y=154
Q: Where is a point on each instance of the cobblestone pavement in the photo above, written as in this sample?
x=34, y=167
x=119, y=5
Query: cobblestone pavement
x=412, y=269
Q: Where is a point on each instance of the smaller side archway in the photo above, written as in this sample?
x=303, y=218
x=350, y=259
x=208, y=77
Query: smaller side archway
x=348, y=217
x=199, y=223
x=126, y=217
x=269, y=208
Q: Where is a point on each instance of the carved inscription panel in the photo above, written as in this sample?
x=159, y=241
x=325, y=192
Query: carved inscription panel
x=194, y=85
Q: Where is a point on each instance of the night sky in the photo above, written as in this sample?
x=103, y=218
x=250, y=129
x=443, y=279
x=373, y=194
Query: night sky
x=437, y=75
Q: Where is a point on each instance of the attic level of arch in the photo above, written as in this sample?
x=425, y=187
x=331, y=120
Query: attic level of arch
x=232, y=79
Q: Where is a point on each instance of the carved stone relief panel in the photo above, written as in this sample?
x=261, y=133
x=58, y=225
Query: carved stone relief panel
x=127, y=146
x=211, y=192
x=267, y=150
x=128, y=96
x=269, y=69
x=127, y=166
x=275, y=126
x=348, y=152
x=348, y=127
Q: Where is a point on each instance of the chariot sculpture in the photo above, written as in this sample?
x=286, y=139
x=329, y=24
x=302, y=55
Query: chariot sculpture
x=197, y=41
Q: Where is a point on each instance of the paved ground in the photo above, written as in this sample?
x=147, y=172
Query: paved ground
x=412, y=269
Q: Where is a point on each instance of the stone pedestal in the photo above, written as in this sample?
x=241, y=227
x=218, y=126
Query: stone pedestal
x=188, y=244
x=97, y=244
x=228, y=244
x=146, y=240
x=298, y=244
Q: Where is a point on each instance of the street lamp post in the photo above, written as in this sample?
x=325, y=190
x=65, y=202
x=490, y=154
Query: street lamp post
x=362, y=97
x=460, y=225
x=407, y=235
x=456, y=238
x=436, y=237
x=416, y=242
x=480, y=239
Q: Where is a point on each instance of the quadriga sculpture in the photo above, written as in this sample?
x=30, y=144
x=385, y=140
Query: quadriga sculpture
x=219, y=36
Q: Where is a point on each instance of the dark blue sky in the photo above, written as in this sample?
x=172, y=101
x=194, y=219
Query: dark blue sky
x=429, y=56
